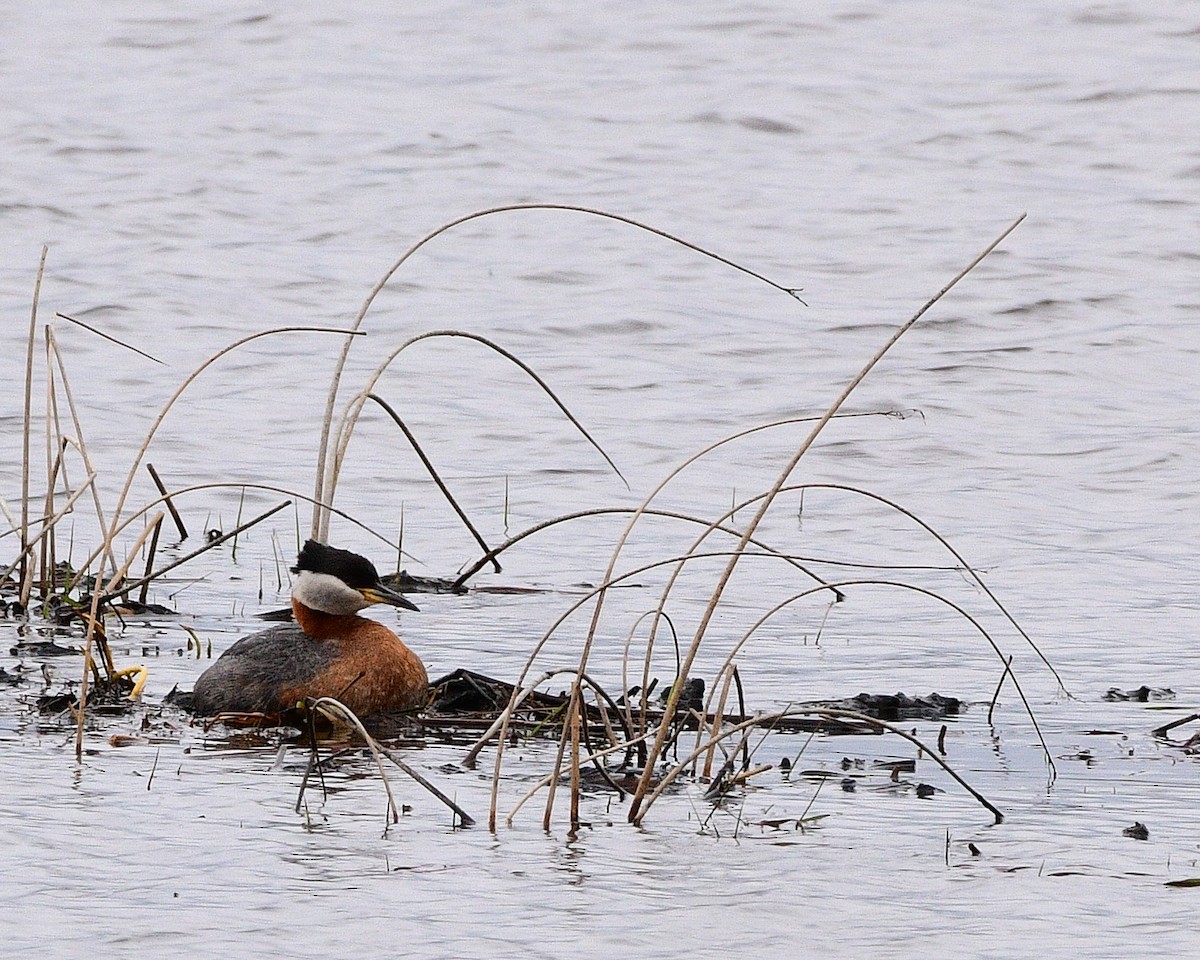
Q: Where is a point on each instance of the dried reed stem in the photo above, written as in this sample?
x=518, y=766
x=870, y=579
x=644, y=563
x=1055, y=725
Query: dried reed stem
x=108, y=337
x=150, y=563
x=320, y=493
x=80, y=443
x=350, y=416
x=489, y=557
x=335, y=709
x=26, y=569
x=714, y=600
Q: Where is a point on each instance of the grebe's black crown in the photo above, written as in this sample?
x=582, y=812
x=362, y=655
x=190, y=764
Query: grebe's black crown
x=353, y=570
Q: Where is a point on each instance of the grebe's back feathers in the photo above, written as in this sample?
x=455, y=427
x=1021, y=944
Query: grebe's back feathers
x=248, y=677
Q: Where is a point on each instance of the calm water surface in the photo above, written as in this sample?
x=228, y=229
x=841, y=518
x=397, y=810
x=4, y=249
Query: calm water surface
x=201, y=175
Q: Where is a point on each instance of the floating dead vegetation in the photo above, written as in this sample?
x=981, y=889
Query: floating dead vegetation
x=1190, y=745
x=1142, y=694
x=640, y=743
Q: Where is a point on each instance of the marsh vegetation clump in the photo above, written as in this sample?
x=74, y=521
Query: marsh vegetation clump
x=638, y=734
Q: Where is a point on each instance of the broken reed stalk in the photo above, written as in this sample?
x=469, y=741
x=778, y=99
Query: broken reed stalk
x=26, y=568
x=464, y=818
x=238, y=522
x=162, y=490
x=706, y=618
x=1168, y=727
x=574, y=720
x=320, y=493
x=350, y=417
x=53, y=465
x=336, y=711
x=108, y=337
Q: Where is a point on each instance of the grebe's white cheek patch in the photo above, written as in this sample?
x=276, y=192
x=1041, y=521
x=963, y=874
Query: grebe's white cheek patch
x=325, y=592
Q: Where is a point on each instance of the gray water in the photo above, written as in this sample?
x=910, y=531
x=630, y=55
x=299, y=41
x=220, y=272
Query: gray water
x=204, y=174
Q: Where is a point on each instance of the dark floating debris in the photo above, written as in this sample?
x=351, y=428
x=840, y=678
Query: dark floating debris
x=1189, y=746
x=179, y=698
x=1137, y=832
x=277, y=615
x=470, y=700
x=135, y=608
x=42, y=648
x=1142, y=694
x=404, y=582
x=897, y=706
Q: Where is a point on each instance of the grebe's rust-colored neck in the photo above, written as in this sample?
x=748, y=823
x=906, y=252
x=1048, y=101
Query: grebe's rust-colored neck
x=371, y=670
x=324, y=626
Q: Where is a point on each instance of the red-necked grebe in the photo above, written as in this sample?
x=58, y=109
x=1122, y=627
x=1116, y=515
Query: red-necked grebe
x=329, y=651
